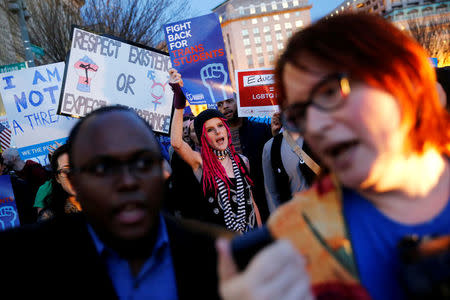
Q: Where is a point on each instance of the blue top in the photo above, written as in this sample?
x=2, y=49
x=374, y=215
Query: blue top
x=374, y=238
x=156, y=279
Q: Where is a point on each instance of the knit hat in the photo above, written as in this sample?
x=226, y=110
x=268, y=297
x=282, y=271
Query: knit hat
x=203, y=117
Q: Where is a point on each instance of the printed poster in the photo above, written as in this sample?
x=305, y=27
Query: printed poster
x=104, y=71
x=256, y=93
x=30, y=97
x=197, y=52
x=9, y=216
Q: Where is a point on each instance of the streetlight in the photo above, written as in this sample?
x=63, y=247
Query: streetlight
x=17, y=6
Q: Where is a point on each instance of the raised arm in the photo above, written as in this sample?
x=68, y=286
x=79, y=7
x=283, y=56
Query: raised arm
x=190, y=156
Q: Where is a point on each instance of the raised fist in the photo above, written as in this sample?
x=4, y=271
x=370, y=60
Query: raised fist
x=214, y=78
x=8, y=216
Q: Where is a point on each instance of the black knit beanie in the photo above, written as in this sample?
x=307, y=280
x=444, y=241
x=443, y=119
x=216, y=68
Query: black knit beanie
x=202, y=118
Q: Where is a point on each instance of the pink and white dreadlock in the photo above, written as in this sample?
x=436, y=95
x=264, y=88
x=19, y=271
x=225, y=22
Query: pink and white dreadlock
x=212, y=168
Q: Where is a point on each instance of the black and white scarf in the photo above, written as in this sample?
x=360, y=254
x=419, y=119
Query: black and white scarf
x=233, y=221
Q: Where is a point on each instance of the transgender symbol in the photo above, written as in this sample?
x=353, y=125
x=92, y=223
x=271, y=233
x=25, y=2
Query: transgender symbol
x=86, y=70
x=158, y=89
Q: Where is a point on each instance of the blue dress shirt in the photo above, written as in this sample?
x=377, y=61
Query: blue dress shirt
x=156, y=279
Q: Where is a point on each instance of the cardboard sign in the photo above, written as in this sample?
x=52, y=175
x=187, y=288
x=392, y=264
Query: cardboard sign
x=256, y=93
x=104, y=71
x=9, y=217
x=197, y=52
x=30, y=97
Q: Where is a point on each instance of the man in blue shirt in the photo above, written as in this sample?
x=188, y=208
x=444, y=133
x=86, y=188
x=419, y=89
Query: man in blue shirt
x=120, y=246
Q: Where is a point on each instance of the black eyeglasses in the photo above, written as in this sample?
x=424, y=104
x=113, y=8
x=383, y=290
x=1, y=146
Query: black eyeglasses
x=328, y=95
x=63, y=172
x=139, y=166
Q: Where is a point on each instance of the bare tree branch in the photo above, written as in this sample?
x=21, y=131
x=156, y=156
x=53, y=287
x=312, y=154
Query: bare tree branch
x=434, y=35
x=138, y=21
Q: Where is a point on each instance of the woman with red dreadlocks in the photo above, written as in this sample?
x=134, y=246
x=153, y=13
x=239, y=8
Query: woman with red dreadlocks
x=222, y=172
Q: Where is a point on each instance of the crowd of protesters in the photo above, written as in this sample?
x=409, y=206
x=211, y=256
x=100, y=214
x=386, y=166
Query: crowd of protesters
x=354, y=167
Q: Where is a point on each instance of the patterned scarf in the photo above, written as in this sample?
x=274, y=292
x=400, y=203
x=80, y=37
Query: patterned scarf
x=233, y=221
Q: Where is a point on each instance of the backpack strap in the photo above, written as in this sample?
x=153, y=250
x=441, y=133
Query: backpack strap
x=281, y=177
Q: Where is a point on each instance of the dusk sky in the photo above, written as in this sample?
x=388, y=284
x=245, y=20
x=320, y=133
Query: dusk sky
x=319, y=9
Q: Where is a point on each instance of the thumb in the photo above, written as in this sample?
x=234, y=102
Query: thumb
x=226, y=266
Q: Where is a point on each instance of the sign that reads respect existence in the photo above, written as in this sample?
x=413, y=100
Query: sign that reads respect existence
x=30, y=97
x=103, y=71
x=197, y=51
x=256, y=93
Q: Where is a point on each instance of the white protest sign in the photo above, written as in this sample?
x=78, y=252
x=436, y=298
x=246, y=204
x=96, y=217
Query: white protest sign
x=104, y=71
x=30, y=97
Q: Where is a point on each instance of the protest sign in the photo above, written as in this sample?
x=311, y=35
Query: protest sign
x=31, y=97
x=9, y=216
x=197, y=51
x=256, y=93
x=104, y=71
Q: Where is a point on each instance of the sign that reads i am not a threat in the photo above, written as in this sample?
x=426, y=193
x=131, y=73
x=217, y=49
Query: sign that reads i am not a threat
x=198, y=53
x=30, y=97
x=104, y=71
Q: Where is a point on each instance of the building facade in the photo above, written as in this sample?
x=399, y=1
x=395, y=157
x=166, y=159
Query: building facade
x=428, y=21
x=256, y=31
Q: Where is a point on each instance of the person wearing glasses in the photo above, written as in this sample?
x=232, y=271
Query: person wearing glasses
x=61, y=198
x=363, y=95
x=120, y=246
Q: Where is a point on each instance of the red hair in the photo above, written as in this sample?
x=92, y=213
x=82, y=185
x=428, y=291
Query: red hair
x=378, y=53
x=212, y=167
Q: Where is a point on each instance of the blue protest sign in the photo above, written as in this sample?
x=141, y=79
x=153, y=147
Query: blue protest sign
x=8, y=210
x=197, y=52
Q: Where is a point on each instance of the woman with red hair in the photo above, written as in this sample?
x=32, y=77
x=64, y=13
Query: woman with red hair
x=223, y=173
x=363, y=95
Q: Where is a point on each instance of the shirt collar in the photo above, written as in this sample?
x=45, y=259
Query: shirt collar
x=162, y=238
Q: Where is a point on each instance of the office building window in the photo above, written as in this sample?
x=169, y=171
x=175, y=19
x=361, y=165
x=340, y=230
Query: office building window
x=257, y=40
x=271, y=57
x=256, y=30
x=274, y=5
x=277, y=27
x=297, y=14
x=250, y=61
x=280, y=46
x=259, y=50
x=263, y=7
x=246, y=42
x=248, y=51
x=287, y=15
x=298, y=23
x=288, y=33
x=268, y=38
x=285, y=4
x=266, y=29
x=269, y=48
x=244, y=32
x=241, y=10
x=276, y=17
x=279, y=36
x=261, y=60
x=295, y=3
x=254, y=21
x=252, y=9
x=287, y=25
x=265, y=19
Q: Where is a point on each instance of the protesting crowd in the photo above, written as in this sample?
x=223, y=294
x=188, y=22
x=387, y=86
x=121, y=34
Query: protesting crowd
x=344, y=195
